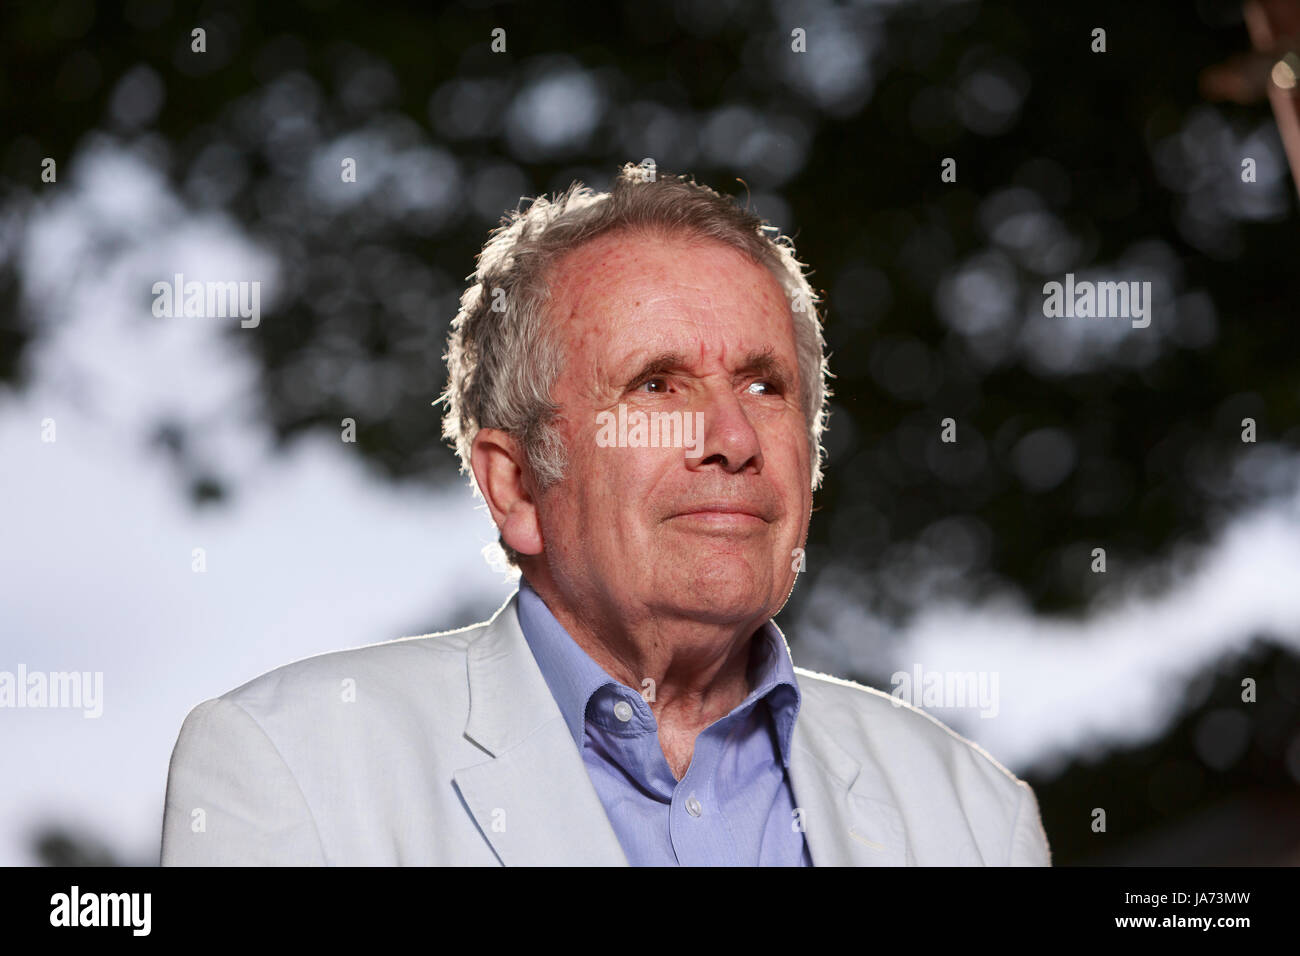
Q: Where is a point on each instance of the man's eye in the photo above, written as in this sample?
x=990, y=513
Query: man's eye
x=651, y=381
x=772, y=387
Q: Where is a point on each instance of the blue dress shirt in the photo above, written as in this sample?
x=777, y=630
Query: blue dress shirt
x=734, y=806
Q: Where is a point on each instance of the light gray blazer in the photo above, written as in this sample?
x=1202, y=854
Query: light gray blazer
x=449, y=749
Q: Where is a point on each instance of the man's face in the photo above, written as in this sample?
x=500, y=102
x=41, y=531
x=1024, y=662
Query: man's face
x=664, y=324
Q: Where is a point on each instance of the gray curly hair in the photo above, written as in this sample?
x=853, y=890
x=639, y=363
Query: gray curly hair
x=502, y=360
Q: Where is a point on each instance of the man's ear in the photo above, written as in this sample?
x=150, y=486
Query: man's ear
x=501, y=473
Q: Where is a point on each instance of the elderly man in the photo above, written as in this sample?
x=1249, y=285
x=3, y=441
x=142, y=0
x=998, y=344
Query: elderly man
x=632, y=702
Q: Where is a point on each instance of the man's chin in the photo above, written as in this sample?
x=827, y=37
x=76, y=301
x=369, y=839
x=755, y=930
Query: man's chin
x=724, y=582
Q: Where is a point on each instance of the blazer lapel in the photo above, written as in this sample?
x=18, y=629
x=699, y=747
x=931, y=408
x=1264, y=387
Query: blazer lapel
x=531, y=798
x=850, y=817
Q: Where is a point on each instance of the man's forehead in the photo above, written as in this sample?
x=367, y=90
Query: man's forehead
x=752, y=358
x=622, y=277
x=668, y=293
x=660, y=265
x=674, y=343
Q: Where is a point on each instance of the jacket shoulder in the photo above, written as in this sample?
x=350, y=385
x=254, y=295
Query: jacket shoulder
x=386, y=673
x=856, y=711
x=265, y=761
x=952, y=792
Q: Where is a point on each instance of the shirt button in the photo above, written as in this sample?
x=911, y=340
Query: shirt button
x=693, y=806
x=623, y=711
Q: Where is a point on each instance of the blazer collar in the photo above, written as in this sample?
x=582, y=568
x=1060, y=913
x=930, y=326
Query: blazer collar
x=534, y=802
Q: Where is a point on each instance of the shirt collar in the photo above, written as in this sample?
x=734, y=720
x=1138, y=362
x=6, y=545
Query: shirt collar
x=573, y=677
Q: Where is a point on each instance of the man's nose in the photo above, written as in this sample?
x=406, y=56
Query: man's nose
x=726, y=437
